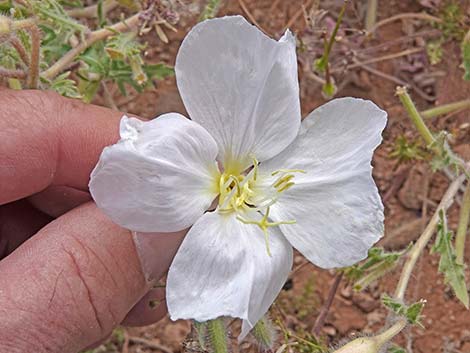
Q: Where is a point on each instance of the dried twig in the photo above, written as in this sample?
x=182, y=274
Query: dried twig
x=95, y=36
x=92, y=11
x=320, y=321
x=150, y=344
x=382, y=58
x=296, y=15
x=405, y=16
x=250, y=15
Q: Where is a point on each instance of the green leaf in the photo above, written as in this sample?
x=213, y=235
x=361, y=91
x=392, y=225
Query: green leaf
x=396, y=349
x=210, y=10
x=65, y=86
x=123, y=46
x=320, y=64
x=405, y=150
x=466, y=56
x=329, y=89
x=377, y=264
x=159, y=71
x=453, y=272
x=412, y=313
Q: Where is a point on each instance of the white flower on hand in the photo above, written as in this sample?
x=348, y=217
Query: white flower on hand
x=281, y=183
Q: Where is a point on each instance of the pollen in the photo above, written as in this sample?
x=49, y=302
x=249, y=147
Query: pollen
x=240, y=193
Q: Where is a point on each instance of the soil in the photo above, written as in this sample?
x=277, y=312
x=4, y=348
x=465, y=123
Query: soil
x=410, y=191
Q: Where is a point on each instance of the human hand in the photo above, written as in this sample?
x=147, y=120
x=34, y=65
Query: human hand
x=68, y=275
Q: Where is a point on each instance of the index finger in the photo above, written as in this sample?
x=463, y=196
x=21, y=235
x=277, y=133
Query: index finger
x=50, y=140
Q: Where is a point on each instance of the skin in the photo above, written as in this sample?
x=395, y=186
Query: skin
x=68, y=275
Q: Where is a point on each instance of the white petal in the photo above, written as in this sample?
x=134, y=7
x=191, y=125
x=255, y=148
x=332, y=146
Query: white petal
x=223, y=269
x=159, y=176
x=336, y=204
x=241, y=86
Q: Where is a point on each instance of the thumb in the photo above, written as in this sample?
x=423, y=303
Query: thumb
x=70, y=284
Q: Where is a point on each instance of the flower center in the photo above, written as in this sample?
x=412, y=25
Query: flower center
x=242, y=194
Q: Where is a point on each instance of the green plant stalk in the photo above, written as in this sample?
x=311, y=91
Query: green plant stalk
x=446, y=109
x=217, y=335
x=424, y=238
x=464, y=219
x=95, y=36
x=335, y=32
x=371, y=16
x=391, y=332
x=414, y=115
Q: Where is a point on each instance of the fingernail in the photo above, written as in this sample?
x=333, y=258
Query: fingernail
x=156, y=252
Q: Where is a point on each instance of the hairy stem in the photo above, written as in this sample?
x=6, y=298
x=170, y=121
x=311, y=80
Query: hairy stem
x=464, y=219
x=16, y=43
x=320, y=321
x=371, y=15
x=424, y=238
x=414, y=115
x=13, y=73
x=95, y=36
x=29, y=25
x=446, y=108
x=33, y=77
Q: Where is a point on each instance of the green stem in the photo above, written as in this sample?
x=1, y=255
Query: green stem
x=414, y=115
x=371, y=16
x=464, y=220
x=330, y=43
x=424, y=238
x=446, y=108
x=217, y=335
x=391, y=332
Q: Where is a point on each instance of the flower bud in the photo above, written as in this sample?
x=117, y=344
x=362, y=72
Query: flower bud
x=265, y=334
x=360, y=345
x=373, y=344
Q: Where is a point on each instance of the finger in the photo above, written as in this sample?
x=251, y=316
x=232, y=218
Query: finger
x=18, y=221
x=69, y=285
x=57, y=200
x=49, y=140
x=150, y=309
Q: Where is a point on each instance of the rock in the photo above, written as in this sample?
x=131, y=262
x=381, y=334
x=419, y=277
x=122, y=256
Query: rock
x=411, y=194
x=329, y=330
x=365, y=302
x=463, y=151
x=349, y=318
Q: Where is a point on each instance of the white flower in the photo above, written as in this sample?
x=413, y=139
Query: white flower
x=281, y=184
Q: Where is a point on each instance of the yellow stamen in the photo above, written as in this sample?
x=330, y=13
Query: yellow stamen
x=264, y=224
